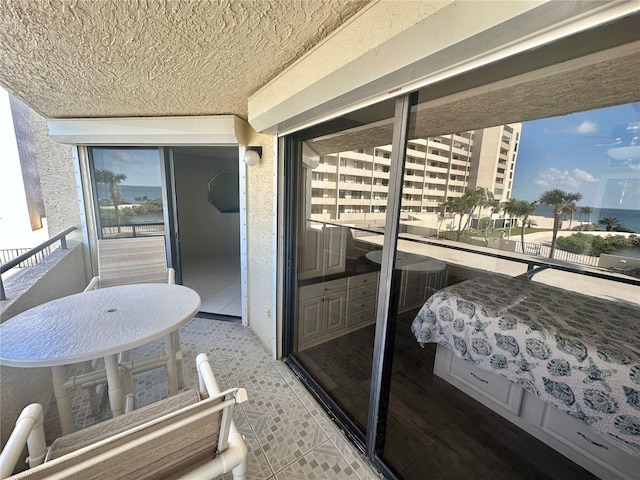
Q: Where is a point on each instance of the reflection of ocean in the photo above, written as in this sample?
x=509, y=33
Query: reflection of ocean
x=628, y=218
x=130, y=192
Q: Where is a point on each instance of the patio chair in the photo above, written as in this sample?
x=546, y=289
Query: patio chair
x=183, y=437
x=125, y=261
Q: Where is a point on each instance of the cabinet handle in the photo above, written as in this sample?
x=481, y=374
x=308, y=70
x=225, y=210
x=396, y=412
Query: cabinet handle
x=592, y=442
x=478, y=378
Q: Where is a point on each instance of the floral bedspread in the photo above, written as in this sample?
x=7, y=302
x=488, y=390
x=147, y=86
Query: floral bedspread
x=576, y=352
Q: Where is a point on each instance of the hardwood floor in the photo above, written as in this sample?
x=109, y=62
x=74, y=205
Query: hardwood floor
x=434, y=430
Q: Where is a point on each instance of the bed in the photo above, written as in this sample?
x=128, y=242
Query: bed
x=576, y=352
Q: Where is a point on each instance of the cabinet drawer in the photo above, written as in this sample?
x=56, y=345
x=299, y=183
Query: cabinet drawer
x=361, y=317
x=322, y=288
x=362, y=292
x=363, y=280
x=495, y=388
x=361, y=304
x=587, y=441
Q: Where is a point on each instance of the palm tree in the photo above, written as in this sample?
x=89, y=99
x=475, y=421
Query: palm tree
x=465, y=206
x=112, y=180
x=494, y=206
x=559, y=199
x=569, y=209
x=586, y=211
x=520, y=208
x=609, y=223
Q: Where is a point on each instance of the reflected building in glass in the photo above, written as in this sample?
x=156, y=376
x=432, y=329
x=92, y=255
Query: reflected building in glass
x=353, y=185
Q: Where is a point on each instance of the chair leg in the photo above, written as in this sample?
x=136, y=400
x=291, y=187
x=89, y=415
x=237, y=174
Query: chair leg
x=240, y=472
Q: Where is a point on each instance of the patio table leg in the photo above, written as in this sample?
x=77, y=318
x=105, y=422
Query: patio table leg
x=59, y=376
x=114, y=381
x=93, y=395
x=172, y=373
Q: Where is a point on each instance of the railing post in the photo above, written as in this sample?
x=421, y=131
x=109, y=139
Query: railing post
x=3, y=295
x=63, y=243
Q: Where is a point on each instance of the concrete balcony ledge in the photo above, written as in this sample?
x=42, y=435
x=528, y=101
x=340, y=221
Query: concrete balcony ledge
x=61, y=273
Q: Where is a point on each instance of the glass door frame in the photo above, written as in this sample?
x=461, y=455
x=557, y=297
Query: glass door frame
x=370, y=442
x=167, y=184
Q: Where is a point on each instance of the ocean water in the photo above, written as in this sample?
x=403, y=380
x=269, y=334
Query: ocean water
x=629, y=218
x=130, y=192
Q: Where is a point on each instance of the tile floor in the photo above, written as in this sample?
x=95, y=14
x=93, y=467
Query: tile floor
x=218, y=284
x=288, y=435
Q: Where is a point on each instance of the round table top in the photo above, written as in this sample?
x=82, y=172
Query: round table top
x=410, y=262
x=95, y=324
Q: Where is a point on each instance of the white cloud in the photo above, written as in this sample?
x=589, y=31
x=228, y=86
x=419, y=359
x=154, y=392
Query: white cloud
x=587, y=127
x=583, y=175
x=563, y=178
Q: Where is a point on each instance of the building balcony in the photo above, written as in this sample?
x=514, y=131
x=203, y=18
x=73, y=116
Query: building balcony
x=357, y=156
x=353, y=201
x=358, y=187
x=323, y=200
x=326, y=168
x=444, y=158
x=434, y=169
x=379, y=174
x=285, y=429
x=457, y=183
x=383, y=161
x=358, y=172
x=437, y=181
x=324, y=184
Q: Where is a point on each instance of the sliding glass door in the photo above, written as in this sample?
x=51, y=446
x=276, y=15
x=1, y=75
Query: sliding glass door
x=465, y=307
x=340, y=211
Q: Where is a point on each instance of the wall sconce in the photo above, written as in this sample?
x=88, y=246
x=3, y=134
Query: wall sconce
x=252, y=156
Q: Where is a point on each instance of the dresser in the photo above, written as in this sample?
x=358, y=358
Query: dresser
x=330, y=309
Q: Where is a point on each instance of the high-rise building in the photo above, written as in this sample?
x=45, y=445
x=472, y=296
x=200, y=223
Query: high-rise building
x=354, y=185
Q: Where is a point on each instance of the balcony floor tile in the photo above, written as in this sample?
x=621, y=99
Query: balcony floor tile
x=288, y=435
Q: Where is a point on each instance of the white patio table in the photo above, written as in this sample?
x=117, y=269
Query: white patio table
x=97, y=324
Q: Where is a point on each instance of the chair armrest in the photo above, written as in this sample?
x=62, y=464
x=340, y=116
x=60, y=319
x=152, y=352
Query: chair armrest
x=28, y=431
x=93, y=284
x=171, y=274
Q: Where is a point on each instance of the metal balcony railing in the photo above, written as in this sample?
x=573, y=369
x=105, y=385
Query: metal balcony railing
x=33, y=256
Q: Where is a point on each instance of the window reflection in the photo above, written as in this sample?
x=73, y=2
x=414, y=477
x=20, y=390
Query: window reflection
x=525, y=231
x=128, y=191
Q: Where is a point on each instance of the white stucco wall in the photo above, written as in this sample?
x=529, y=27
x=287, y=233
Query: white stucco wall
x=261, y=241
x=57, y=178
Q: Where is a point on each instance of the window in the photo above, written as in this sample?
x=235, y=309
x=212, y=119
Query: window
x=128, y=191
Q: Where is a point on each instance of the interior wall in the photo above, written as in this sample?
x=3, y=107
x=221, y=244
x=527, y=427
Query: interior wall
x=205, y=233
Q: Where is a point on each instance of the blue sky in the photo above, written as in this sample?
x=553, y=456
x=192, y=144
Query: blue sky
x=141, y=166
x=579, y=153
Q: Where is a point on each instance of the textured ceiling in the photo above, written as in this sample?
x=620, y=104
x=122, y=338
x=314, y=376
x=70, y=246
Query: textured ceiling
x=112, y=58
